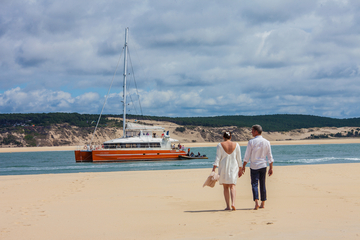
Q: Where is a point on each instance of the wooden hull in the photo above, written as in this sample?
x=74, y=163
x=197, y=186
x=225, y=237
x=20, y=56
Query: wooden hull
x=127, y=155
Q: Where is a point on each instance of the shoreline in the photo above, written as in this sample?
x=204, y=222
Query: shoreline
x=304, y=202
x=203, y=144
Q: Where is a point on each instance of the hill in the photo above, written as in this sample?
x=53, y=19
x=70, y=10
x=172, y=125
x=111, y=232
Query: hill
x=64, y=129
x=278, y=122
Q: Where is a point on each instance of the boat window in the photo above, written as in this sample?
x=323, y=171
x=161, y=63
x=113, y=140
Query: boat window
x=131, y=145
x=154, y=144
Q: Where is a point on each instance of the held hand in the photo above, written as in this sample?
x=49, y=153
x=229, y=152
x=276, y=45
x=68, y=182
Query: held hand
x=240, y=173
x=270, y=172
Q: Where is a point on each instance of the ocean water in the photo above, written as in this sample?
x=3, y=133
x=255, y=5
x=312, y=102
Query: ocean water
x=64, y=162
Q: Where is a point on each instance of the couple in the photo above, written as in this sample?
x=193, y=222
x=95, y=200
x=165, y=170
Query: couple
x=228, y=159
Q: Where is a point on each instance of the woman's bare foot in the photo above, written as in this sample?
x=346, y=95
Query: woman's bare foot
x=227, y=209
x=233, y=208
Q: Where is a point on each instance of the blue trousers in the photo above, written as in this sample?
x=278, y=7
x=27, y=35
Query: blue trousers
x=258, y=176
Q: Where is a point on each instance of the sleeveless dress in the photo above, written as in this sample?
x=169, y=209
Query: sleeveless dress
x=228, y=164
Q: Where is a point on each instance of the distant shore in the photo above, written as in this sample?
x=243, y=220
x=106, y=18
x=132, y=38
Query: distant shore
x=197, y=144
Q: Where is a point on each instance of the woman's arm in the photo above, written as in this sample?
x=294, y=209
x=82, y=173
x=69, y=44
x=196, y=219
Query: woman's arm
x=218, y=157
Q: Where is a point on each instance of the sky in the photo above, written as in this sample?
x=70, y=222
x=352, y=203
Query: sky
x=189, y=58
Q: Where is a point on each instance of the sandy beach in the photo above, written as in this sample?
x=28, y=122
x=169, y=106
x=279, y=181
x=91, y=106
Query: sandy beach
x=304, y=202
x=200, y=144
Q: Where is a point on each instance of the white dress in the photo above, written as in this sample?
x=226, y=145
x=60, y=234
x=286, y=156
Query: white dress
x=228, y=164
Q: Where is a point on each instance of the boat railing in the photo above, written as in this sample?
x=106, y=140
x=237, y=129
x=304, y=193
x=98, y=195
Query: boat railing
x=114, y=147
x=90, y=147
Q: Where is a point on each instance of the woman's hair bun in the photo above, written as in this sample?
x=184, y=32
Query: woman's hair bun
x=227, y=135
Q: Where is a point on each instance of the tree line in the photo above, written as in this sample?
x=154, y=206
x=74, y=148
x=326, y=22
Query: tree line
x=276, y=122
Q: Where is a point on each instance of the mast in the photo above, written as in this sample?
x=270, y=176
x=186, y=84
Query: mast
x=124, y=84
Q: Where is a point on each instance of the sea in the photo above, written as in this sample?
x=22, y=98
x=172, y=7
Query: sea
x=64, y=161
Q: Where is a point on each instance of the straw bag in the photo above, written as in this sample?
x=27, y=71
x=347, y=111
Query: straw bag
x=212, y=179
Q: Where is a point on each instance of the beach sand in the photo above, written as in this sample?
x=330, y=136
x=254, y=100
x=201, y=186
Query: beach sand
x=200, y=144
x=304, y=202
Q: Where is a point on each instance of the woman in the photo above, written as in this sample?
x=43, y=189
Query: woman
x=228, y=159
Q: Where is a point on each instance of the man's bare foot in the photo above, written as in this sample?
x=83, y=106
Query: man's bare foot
x=233, y=208
x=262, y=205
x=256, y=204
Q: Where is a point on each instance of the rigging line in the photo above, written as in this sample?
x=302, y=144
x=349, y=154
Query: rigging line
x=137, y=92
x=107, y=95
x=132, y=101
x=128, y=86
x=137, y=55
x=133, y=105
x=128, y=89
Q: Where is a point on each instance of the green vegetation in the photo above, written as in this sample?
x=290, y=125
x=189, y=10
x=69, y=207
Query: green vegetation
x=30, y=140
x=34, y=127
x=180, y=129
x=351, y=133
x=11, y=139
x=39, y=129
x=278, y=122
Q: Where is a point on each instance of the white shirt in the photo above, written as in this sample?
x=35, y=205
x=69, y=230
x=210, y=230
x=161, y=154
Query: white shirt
x=257, y=150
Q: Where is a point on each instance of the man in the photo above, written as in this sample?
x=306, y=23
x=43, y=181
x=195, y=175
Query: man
x=257, y=150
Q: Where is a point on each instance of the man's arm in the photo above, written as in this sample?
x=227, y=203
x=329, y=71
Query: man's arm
x=246, y=157
x=243, y=168
x=270, y=159
x=270, y=169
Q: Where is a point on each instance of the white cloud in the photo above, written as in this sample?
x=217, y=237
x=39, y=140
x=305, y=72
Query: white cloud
x=19, y=100
x=190, y=57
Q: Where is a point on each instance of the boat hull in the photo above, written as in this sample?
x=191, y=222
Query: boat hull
x=83, y=156
x=188, y=157
x=127, y=155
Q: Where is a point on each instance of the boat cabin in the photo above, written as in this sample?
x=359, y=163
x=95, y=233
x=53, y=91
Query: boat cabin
x=132, y=145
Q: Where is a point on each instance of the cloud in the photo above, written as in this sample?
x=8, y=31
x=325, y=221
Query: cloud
x=18, y=100
x=190, y=58
x=277, y=11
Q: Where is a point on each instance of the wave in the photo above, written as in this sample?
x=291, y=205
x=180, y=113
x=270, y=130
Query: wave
x=319, y=160
x=64, y=162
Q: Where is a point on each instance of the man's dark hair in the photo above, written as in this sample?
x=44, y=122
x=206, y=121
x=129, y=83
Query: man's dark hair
x=258, y=128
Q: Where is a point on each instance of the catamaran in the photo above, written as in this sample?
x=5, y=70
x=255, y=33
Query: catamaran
x=138, y=142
